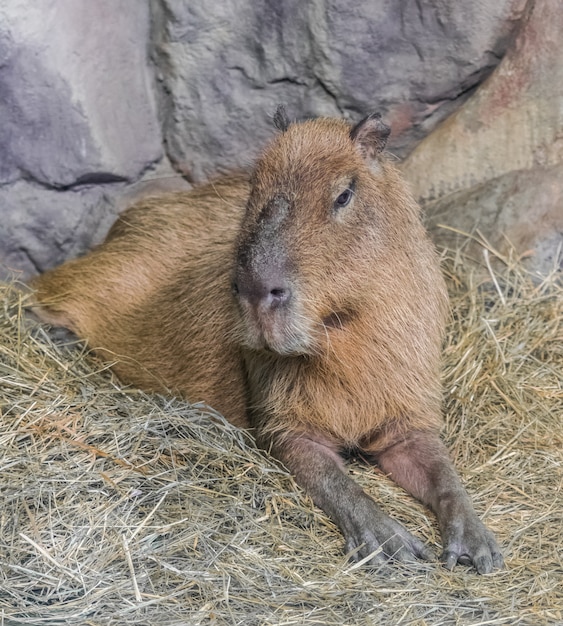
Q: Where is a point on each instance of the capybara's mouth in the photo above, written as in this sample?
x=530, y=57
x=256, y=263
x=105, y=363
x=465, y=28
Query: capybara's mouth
x=277, y=334
x=283, y=344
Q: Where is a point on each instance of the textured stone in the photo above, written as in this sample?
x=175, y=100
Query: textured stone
x=78, y=113
x=226, y=65
x=43, y=227
x=496, y=161
x=77, y=105
x=518, y=213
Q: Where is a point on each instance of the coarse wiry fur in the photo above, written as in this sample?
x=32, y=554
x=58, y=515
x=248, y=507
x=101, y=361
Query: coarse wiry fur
x=374, y=266
x=347, y=357
x=155, y=297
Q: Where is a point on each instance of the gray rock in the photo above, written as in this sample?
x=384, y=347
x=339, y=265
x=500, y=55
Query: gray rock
x=76, y=102
x=78, y=115
x=43, y=227
x=225, y=66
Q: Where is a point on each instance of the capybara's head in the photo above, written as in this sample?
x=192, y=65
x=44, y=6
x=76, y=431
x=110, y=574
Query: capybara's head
x=324, y=214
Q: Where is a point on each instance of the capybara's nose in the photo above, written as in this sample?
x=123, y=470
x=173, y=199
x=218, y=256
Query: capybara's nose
x=277, y=296
x=263, y=293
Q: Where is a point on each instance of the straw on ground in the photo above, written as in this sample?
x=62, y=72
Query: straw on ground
x=122, y=508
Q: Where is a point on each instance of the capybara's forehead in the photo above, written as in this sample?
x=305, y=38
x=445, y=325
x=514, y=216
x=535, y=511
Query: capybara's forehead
x=320, y=146
x=304, y=139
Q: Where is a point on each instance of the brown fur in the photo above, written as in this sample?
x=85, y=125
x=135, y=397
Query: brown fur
x=351, y=361
x=376, y=266
x=155, y=297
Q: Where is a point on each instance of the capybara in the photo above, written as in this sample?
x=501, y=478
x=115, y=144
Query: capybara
x=304, y=300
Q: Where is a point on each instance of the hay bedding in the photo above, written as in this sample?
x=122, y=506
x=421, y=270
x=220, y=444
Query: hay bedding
x=122, y=508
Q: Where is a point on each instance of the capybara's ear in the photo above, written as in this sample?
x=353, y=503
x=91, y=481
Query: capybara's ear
x=370, y=135
x=281, y=120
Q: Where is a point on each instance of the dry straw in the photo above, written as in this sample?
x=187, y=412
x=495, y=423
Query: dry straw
x=121, y=508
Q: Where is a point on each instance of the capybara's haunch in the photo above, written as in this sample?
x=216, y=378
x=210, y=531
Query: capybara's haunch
x=304, y=300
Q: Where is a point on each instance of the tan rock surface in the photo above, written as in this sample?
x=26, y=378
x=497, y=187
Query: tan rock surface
x=497, y=162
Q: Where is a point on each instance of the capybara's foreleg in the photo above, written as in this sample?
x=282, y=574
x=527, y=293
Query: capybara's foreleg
x=368, y=531
x=419, y=462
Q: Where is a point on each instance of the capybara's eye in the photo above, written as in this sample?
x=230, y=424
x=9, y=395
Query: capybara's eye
x=344, y=198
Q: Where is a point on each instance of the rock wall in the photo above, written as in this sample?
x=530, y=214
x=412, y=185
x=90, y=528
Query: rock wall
x=496, y=165
x=96, y=98
x=225, y=66
x=79, y=122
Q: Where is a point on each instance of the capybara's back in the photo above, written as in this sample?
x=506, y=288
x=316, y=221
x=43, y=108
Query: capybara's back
x=306, y=300
x=155, y=297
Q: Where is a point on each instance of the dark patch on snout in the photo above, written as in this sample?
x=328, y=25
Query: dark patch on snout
x=274, y=212
x=263, y=268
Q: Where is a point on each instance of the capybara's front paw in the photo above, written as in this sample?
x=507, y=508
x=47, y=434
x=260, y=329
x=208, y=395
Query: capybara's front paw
x=469, y=542
x=371, y=533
